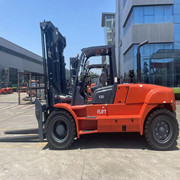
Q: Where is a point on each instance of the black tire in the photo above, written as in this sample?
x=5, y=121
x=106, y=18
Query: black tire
x=60, y=130
x=161, y=130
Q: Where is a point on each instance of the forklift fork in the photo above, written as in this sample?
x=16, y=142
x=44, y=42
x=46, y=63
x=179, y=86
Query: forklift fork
x=40, y=109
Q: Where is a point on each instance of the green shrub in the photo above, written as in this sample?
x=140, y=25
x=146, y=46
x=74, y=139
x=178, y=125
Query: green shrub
x=176, y=93
x=14, y=89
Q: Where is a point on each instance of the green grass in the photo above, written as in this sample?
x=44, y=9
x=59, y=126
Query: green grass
x=176, y=90
x=176, y=93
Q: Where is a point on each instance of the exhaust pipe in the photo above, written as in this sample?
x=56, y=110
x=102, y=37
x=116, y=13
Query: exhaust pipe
x=139, y=61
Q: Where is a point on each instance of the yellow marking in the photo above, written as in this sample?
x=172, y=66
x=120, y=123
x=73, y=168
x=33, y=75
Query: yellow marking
x=38, y=145
x=9, y=112
x=14, y=114
x=7, y=145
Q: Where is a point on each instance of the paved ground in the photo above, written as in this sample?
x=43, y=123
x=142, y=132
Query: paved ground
x=100, y=156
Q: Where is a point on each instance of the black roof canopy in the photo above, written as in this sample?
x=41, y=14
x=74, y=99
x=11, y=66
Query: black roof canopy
x=97, y=50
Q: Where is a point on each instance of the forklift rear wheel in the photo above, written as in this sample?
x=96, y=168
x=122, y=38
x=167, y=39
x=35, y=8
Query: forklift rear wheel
x=162, y=130
x=60, y=130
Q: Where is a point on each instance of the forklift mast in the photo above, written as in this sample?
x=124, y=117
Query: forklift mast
x=53, y=44
x=73, y=70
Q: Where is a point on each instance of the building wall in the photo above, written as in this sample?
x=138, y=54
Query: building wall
x=15, y=58
x=159, y=22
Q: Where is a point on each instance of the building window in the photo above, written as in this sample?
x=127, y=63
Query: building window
x=109, y=35
x=177, y=9
x=176, y=19
x=150, y=15
x=128, y=63
x=138, y=15
x=13, y=75
x=109, y=24
x=109, y=29
x=176, y=32
x=160, y=64
x=109, y=17
x=176, y=1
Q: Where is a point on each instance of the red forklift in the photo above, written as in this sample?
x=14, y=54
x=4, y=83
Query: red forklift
x=3, y=91
x=143, y=108
x=7, y=90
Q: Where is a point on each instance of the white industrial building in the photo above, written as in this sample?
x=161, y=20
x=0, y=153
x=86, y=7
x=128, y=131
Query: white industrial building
x=14, y=59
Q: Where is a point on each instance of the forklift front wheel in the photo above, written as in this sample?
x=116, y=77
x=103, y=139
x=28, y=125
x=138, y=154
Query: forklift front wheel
x=60, y=130
x=162, y=130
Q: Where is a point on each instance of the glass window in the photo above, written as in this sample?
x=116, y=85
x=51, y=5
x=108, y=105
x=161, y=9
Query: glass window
x=176, y=18
x=128, y=63
x=168, y=10
x=158, y=14
x=177, y=9
x=135, y=50
x=168, y=14
x=157, y=47
x=148, y=10
x=176, y=45
x=148, y=14
x=176, y=1
x=109, y=35
x=153, y=14
x=138, y=15
x=108, y=24
x=176, y=32
x=159, y=64
x=13, y=75
x=148, y=19
x=148, y=50
x=168, y=46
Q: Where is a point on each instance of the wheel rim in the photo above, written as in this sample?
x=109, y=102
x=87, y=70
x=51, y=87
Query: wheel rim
x=60, y=131
x=162, y=130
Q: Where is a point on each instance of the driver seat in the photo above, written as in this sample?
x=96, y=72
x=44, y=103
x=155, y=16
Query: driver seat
x=101, y=82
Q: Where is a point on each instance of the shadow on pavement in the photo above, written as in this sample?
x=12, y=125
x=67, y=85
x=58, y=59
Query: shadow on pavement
x=31, y=136
x=92, y=141
x=111, y=140
x=22, y=131
x=8, y=102
x=26, y=139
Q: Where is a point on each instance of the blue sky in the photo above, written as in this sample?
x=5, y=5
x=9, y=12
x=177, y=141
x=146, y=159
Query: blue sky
x=78, y=20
